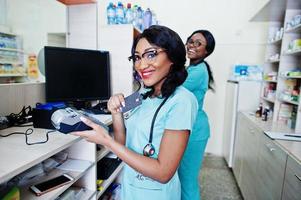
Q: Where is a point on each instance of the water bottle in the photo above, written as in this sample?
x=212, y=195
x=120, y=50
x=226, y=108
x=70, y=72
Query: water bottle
x=140, y=18
x=129, y=14
x=119, y=14
x=154, y=18
x=111, y=13
x=147, y=18
x=135, y=14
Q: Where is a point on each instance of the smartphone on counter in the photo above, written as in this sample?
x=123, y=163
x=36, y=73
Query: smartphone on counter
x=51, y=184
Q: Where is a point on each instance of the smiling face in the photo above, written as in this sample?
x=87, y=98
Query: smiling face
x=152, y=64
x=196, y=47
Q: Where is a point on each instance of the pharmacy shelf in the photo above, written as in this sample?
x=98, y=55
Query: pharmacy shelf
x=24, y=83
x=295, y=52
x=75, y=2
x=88, y=194
x=296, y=29
x=288, y=101
x=273, y=61
x=270, y=81
x=291, y=77
x=6, y=33
x=12, y=75
x=10, y=49
x=24, y=156
x=108, y=182
x=10, y=62
x=28, y=195
x=275, y=42
x=268, y=99
x=102, y=153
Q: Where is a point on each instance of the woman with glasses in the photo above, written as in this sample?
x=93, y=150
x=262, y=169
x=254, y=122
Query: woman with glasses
x=151, y=142
x=200, y=44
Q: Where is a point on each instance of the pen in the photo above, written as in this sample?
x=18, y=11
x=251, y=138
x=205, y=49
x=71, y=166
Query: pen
x=297, y=136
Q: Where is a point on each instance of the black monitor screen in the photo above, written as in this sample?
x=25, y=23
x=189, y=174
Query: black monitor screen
x=76, y=74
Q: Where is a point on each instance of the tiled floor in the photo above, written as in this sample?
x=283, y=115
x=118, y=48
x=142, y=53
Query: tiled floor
x=217, y=180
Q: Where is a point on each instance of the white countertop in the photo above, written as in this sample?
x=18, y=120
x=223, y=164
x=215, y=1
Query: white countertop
x=16, y=156
x=292, y=148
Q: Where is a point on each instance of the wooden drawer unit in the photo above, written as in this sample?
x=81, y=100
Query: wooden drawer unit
x=239, y=147
x=292, y=181
x=249, y=161
x=270, y=170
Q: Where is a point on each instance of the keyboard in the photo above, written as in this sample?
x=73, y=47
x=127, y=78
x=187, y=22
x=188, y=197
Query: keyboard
x=106, y=166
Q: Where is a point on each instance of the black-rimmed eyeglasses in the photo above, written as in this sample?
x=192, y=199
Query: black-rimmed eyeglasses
x=149, y=56
x=195, y=43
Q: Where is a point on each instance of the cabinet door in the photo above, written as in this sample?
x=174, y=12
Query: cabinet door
x=270, y=171
x=238, y=147
x=249, y=161
x=292, y=181
x=82, y=26
x=118, y=40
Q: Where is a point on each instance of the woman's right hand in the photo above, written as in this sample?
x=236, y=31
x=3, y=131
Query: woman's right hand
x=115, y=103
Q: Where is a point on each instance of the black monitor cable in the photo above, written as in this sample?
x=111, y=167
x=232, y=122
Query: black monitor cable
x=28, y=132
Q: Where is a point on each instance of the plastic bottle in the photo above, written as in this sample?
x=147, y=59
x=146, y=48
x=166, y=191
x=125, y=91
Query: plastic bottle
x=111, y=13
x=120, y=13
x=265, y=114
x=147, y=18
x=129, y=17
x=140, y=18
x=135, y=14
x=259, y=111
x=154, y=18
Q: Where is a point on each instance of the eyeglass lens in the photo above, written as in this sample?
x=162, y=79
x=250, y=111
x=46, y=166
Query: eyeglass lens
x=148, y=56
x=195, y=43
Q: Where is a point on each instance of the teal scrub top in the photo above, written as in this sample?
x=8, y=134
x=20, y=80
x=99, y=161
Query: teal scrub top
x=197, y=83
x=178, y=113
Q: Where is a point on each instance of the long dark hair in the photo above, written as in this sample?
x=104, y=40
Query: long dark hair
x=169, y=40
x=209, y=48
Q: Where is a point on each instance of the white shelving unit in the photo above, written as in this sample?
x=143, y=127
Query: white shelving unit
x=275, y=42
x=280, y=14
x=270, y=81
x=268, y=99
x=17, y=157
x=12, y=67
x=28, y=195
x=107, y=182
x=102, y=153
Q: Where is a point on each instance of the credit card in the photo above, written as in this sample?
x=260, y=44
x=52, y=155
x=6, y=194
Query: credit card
x=132, y=102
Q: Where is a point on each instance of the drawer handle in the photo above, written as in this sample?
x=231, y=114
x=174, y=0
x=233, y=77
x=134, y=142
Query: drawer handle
x=270, y=148
x=298, y=177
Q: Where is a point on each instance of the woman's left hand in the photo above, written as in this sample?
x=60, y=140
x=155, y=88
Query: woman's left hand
x=97, y=135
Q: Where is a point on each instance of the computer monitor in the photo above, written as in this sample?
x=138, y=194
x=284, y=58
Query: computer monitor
x=74, y=75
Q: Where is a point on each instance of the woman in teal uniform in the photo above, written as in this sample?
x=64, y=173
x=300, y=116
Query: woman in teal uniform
x=200, y=44
x=153, y=139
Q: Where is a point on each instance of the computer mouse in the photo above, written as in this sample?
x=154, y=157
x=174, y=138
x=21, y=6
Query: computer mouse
x=68, y=120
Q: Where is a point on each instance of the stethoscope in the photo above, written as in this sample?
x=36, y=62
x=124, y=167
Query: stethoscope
x=149, y=148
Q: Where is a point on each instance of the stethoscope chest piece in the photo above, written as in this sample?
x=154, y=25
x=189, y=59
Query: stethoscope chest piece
x=149, y=150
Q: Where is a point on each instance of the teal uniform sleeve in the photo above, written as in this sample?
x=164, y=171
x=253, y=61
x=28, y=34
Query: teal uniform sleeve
x=182, y=114
x=197, y=77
